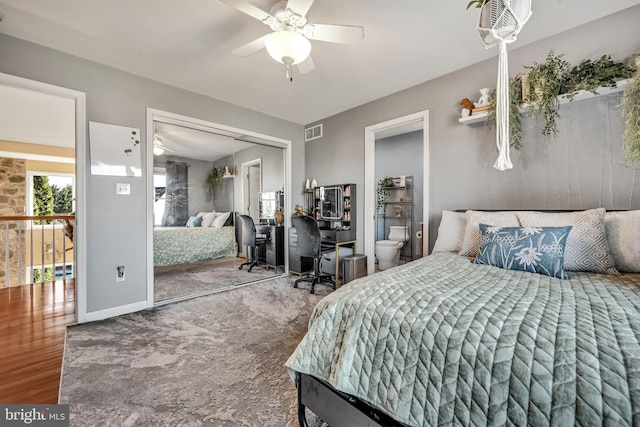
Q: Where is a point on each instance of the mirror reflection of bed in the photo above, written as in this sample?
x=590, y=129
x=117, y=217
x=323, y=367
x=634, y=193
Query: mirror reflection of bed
x=196, y=195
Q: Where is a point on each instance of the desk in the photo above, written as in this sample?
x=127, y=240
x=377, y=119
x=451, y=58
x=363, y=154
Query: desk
x=337, y=245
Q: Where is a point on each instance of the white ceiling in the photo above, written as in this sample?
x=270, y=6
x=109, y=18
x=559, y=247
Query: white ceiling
x=189, y=43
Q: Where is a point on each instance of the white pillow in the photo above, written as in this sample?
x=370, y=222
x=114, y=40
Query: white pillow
x=221, y=218
x=450, y=232
x=208, y=218
x=623, y=236
x=587, y=248
x=472, y=235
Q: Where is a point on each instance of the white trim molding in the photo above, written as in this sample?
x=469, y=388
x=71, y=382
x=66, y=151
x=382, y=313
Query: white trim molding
x=80, y=228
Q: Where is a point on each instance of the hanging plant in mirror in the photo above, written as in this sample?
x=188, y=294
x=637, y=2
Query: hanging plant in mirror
x=214, y=181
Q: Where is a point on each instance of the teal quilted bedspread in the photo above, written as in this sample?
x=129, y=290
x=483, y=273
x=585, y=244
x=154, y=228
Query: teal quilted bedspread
x=443, y=341
x=182, y=245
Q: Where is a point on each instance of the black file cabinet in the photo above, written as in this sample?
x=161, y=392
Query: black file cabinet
x=274, y=248
x=297, y=264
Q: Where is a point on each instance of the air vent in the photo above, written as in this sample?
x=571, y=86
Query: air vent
x=312, y=133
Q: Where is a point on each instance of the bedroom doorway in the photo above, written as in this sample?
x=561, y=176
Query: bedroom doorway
x=388, y=129
x=197, y=174
x=44, y=130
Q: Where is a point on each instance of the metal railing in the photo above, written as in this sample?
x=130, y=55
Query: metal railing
x=35, y=248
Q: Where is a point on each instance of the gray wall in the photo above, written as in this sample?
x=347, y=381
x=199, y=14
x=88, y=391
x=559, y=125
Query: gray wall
x=396, y=156
x=581, y=169
x=116, y=225
x=273, y=174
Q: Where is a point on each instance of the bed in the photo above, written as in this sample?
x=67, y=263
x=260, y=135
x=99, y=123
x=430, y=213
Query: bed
x=184, y=245
x=447, y=341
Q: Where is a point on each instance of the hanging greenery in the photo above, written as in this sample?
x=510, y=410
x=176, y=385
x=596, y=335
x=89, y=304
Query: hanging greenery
x=383, y=190
x=631, y=113
x=214, y=181
x=590, y=75
x=540, y=90
x=477, y=3
x=536, y=91
x=515, y=103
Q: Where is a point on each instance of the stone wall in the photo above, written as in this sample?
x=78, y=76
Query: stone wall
x=13, y=201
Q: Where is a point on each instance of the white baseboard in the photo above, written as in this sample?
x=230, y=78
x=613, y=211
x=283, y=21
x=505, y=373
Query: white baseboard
x=116, y=311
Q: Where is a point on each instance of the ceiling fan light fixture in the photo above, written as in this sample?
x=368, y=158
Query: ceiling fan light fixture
x=286, y=46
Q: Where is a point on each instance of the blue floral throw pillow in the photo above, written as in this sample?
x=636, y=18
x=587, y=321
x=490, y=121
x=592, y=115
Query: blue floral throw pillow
x=533, y=249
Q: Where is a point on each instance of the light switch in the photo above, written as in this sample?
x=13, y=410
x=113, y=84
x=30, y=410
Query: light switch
x=122, y=188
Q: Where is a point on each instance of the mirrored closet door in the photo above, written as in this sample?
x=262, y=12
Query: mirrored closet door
x=216, y=209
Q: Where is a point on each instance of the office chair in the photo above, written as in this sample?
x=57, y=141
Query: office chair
x=310, y=245
x=251, y=241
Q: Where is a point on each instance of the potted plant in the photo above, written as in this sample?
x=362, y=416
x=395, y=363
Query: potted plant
x=383, y=190
x=214, y=181
x=540, y=89
x=631, y=113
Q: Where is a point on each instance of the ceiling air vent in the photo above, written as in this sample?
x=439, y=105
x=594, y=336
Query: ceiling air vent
x=312, y=133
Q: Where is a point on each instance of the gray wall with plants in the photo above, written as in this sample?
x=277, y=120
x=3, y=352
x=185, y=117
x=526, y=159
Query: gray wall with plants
x=582, y=168
x=117, y=228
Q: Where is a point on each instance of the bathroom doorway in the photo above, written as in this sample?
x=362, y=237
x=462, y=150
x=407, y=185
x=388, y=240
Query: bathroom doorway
x=399, y=130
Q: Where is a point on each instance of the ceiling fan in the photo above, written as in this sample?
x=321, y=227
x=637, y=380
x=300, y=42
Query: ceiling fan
x=159, y=146
x=289, y=42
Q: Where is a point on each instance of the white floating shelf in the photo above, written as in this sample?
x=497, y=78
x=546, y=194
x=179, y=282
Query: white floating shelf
x=478, y=117
x=581, y=95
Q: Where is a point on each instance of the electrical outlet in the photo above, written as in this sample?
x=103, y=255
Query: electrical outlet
x=120, y=273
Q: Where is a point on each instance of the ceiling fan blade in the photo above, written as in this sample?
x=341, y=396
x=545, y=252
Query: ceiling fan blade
x=306, y=66
x=249, y=9
x=345, y=34
x=300, y=7
x=251, y=47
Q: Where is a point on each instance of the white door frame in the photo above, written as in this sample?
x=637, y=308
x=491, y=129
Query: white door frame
x=80, y=227
x=245, y=170
x=370, y=183
x=173, y=118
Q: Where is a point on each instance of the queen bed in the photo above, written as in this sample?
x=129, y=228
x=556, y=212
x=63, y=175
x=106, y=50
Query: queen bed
x=472, y=336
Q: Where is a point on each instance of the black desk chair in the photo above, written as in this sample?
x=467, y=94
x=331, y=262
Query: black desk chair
x=251, y=241
x=310, y=245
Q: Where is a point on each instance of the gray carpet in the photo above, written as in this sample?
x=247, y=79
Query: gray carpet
x=187, y=279
x=216, y=360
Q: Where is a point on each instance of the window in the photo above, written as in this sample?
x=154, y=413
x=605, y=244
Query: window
x=50, y=193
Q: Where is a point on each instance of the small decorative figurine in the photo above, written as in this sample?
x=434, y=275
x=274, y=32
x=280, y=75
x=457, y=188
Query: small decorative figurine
x=485, y=98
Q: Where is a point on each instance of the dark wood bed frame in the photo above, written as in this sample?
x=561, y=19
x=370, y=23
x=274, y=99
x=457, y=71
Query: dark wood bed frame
x=342, y=410
x=335, y=408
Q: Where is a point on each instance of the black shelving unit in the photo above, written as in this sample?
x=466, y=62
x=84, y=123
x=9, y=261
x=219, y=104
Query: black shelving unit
x=398, y=210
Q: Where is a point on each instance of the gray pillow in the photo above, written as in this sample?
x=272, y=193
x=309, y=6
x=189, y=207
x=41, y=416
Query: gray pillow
x=587, y=248
x=450, y=232
x=623, y=235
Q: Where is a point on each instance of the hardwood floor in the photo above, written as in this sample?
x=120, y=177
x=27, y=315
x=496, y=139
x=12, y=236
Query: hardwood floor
x=32, y=327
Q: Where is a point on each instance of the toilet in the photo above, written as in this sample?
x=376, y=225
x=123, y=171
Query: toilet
x=388, y=251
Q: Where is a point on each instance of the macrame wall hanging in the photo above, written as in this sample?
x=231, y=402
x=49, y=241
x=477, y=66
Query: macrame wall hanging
x=499, y=23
